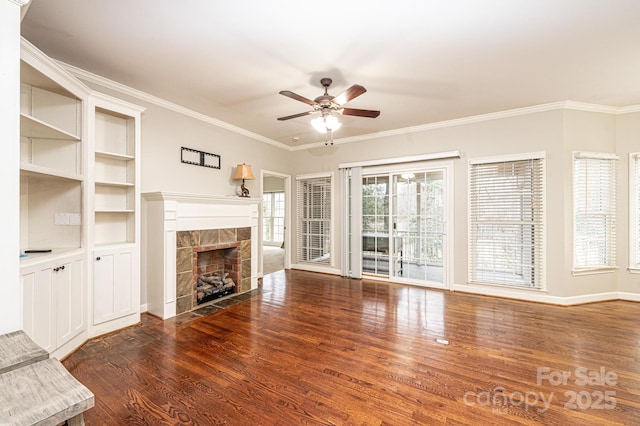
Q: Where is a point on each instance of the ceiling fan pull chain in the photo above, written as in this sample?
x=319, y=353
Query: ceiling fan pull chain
x=328, y=137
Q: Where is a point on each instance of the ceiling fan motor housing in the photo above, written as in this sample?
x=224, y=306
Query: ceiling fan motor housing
x=324, y=101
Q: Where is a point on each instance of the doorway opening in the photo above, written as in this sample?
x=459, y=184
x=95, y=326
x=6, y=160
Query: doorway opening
x=275, y=222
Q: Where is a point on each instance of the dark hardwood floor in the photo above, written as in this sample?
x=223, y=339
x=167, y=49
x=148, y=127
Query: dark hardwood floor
x=321, y=350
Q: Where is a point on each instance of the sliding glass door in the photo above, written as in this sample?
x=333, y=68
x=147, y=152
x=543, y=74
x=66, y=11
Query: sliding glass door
x=404, y=226
x=418, y=217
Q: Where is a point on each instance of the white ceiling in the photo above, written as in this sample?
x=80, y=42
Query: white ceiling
x=422, y=61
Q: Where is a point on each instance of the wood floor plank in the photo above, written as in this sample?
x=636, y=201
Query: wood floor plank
x=316, y=349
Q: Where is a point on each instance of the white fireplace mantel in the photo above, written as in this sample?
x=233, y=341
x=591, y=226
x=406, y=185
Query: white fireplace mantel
x=167, y=213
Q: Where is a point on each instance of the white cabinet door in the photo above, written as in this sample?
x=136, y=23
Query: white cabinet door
x=70, y=300
x=39, y=305
x=54, y=301
x=116, y=284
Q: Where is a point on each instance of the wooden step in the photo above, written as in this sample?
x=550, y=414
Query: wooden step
x=18, y=350
x=44, y=393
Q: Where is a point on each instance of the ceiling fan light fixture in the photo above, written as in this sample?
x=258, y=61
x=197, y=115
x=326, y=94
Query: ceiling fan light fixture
x=325, y=123
x=331, y=122
x=318, y=124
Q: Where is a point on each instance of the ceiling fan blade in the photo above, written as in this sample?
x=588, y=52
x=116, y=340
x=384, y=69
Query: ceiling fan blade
x=289, y=117
x=290, y=94
x=351, y=93
x=360, y=112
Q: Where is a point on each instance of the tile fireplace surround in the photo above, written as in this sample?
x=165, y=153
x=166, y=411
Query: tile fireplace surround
x=177, y=226
x=190, y=243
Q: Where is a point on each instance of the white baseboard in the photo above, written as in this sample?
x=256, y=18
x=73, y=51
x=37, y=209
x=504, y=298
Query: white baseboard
x=528, y=295
x=590, y=298
x=631, y=297
x=143, y=308
x=114, y=325
x=314, y=268
x=542, y=297
x=507, y=293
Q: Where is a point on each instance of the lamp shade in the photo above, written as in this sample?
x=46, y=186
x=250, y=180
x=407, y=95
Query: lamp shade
x=243, y=171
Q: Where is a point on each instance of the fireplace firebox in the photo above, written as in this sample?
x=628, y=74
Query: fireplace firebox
x=216, y=273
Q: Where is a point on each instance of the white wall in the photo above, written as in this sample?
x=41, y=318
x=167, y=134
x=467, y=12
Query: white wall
x=10, y=290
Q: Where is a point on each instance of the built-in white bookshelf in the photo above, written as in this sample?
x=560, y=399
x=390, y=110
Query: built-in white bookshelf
x=116, y=196
x=114, y=171
x=51, y=158
x=79, y=207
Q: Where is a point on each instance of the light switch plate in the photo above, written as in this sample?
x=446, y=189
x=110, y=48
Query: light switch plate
x=74, y=219
x=61, y=219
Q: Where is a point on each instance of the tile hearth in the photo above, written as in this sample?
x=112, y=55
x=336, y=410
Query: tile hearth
x=213, y=307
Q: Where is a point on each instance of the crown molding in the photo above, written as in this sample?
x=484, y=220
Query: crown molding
x=628, y=109
x=19, y=2
x=138, y=94
x=39, y=60
x=449, y=123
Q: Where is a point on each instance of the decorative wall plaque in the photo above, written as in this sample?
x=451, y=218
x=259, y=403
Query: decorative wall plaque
x=199, y=158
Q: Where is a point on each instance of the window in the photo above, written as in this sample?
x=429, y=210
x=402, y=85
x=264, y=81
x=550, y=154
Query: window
x=273, y=217
x=314, y=219
x=506, y=221
x=634, y=214
x=594, y=209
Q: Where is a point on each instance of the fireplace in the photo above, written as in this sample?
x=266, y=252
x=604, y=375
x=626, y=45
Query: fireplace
x=211, y=264
x=177, y=228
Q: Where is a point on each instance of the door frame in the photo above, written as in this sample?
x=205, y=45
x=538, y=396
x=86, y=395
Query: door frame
x=287, y=218
x=448, y=167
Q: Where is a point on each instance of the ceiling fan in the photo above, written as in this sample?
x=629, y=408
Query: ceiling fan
x=329, y=105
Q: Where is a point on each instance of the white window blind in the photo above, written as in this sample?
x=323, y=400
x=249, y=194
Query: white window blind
x=314, y=219
x=594, y=204
x=506, y=222
x=635, y=210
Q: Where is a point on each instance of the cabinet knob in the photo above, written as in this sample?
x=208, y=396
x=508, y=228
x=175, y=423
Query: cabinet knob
x=98, y=258
x=62, y=267
x=56, y=269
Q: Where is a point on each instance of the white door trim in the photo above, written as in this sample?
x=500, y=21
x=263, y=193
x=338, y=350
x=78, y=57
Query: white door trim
x=287, y=217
